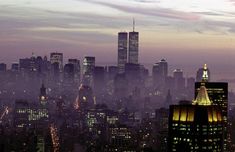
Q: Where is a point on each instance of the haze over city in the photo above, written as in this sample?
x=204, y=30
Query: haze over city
x=117, y=75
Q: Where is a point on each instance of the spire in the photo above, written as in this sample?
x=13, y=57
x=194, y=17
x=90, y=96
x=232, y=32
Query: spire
x=133, y=24
x=205, y=67
x=202, y=97
x=205, y=75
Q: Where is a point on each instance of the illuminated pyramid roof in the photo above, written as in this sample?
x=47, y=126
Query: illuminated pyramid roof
x=202, y=97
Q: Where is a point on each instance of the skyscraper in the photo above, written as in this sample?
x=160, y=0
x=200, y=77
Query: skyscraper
x=88, y=70
x=133, y=46
x=179, y=80
x=122, y=51
x=77, y=69
x=99, y=80
x=197, y=127
x=3, y=67
x=203, y=74
x=15, y=66
x=218, y=93
x=24, y=64
x=160, y=72
x=161, y=124
x=57, y=58
x=69, y=73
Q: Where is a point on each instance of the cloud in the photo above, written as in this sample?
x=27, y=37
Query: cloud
x=156, y=12
x=146, y=1
x=25, y=28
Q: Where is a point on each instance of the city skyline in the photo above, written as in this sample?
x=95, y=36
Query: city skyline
x=195, y=31
x=121, y=75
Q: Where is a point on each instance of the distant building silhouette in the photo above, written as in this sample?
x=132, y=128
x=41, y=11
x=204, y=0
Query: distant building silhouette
x=69, y=73
x=3, y=67
x=99, y=80
x=160, y=72
x=88, y=70
x=77, y=69
x=179, y=80
x=15, y=67
x=57, y=58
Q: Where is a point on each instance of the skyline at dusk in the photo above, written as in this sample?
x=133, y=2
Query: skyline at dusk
x=194, y=31
x=117, y=75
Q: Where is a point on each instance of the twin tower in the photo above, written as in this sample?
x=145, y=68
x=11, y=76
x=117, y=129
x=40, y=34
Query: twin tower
x=124, y=52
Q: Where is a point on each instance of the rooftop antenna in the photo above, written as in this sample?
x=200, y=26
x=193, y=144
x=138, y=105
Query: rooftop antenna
x=133, y=24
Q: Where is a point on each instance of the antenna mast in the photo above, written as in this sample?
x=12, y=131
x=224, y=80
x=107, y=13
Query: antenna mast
x=133, y=24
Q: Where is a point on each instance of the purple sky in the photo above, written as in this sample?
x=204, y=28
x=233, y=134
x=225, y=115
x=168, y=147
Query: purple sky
x=187, y=33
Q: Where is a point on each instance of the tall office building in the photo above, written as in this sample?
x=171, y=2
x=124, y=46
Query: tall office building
x=161, y=128
x=99, y=80
x=88, y=70
x=218, y=93
x=69, y=73
x=160, y=72
x=197, y=127
x=57, y=58
x=15, y=67
x=133, y=46
x=203, y=74
x=179, y=80
x=88, y=65
x=77, y=69
x=24, y=64
x=122, y=51
x=3, y=67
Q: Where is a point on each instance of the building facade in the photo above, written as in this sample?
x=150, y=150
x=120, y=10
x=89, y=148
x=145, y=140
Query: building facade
x=133, y=55
x=196, y=128
x=122, y=51
x=56, y=57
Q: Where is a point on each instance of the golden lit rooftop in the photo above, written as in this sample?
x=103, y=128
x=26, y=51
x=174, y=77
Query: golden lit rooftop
x=202, y=97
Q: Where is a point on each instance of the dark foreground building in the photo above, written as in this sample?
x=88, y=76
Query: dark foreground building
x=218, y=94
x=197, y=127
